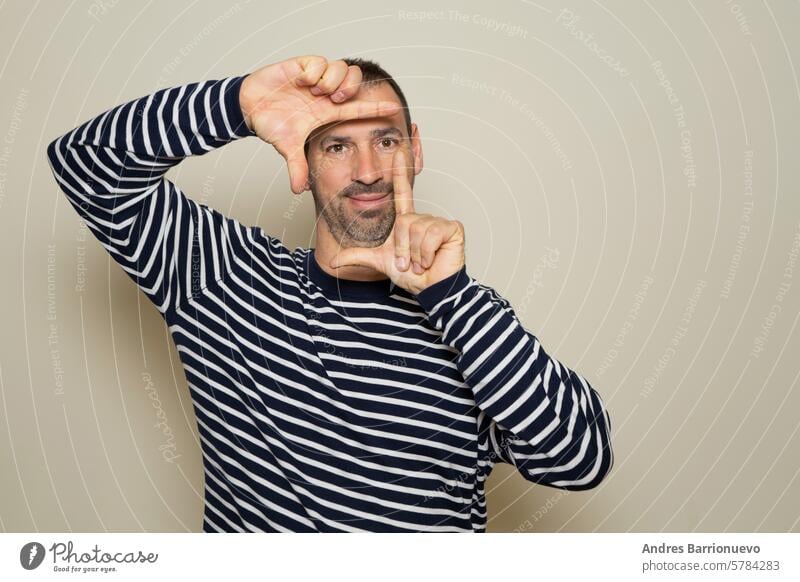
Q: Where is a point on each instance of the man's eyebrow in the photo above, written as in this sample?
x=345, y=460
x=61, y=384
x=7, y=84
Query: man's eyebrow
x=380, y=132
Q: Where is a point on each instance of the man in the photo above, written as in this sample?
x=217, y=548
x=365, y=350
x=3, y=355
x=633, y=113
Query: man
x=366, y=384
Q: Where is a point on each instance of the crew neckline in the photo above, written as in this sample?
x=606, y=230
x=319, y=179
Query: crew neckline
x=335, y=287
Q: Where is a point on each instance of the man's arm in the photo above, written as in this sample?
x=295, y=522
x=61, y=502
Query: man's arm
x=112, y=167
x=112, y=170
x=542, y=417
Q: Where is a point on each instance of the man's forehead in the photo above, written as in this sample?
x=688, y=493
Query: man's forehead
x=341, y=133
x=354, y=128
x=360, y=128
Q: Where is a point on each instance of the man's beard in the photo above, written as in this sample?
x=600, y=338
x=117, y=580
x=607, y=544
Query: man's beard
x=357, y=228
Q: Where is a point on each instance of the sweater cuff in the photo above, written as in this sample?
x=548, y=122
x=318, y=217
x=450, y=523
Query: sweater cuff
x=434, y=294
x=233, y=107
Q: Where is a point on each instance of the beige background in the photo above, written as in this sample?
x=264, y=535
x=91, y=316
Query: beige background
x=634, y=195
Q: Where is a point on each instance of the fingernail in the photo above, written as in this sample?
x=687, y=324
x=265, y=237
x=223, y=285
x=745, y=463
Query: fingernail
x=401, y=263
x=338, y=96
x=418, y=269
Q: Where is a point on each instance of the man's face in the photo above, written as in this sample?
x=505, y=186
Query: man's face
x=350, y=172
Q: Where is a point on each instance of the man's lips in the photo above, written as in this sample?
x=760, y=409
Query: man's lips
x=368, y=196
x=369, y=199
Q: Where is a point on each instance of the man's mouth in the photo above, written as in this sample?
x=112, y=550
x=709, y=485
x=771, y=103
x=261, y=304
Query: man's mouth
x=368, y=199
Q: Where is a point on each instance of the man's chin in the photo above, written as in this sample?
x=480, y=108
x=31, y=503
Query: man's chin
x=365, y=239
x=363, y=243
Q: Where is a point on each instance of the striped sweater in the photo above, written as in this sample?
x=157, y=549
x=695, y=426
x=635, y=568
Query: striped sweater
x=322, y=404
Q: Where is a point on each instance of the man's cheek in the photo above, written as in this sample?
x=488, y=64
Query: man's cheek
x=329, y=169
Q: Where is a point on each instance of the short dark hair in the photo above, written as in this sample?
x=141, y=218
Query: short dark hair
x=372, y=74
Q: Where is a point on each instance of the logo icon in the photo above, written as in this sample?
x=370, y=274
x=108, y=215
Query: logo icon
x=31, y=555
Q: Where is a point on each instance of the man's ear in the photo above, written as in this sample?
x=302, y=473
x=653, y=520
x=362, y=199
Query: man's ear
x=416, y=149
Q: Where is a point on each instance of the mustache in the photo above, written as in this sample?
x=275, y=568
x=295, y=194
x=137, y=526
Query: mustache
x=361, y=188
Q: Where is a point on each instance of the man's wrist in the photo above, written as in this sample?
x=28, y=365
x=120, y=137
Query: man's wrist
x=434, y=294
x=244, y=105
x=233, y=110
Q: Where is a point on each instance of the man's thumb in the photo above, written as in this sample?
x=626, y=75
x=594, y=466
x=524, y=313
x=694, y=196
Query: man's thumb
x=298, y=173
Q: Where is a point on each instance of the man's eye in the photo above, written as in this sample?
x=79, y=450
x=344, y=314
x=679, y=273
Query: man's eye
x=388, y=142
x=330, y=148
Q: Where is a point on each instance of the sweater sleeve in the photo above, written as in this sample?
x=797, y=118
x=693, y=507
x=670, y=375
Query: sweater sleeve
x=535, y=413
x=112, y=169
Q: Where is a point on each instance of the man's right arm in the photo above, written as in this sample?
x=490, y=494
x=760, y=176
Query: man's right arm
x=112, y=169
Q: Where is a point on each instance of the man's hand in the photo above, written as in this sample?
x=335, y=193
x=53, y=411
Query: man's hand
x=284, y=102
x=421, y=249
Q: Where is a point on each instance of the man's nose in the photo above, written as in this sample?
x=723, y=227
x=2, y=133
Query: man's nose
x=366, y=168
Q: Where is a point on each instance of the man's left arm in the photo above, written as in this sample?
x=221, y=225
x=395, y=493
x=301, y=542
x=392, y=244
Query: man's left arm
x=545, y=418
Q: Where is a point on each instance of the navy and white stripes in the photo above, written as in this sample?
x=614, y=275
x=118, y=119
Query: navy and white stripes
x=322, y=404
